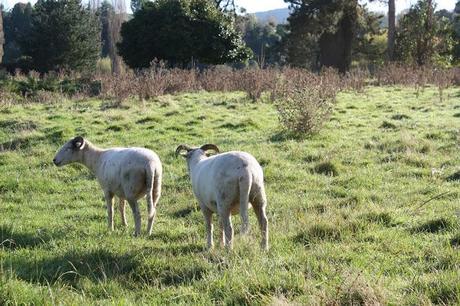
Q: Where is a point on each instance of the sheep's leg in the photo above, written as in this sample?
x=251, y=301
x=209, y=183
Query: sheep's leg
x=121, y=207
x=228, y=228
x=109, y=203
x=137, y=216
x=152, y=201
x=259, y=205
x=244, y=185
x=151, y=212
x=207, y=213
x=222, y=232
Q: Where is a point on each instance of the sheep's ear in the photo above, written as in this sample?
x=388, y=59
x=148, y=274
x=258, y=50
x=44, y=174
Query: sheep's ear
x=78, y=143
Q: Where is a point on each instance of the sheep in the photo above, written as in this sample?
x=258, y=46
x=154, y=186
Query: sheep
x=128, y=173
x=226, y=183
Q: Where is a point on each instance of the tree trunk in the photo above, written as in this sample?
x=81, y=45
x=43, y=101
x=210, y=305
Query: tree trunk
x=391, y=29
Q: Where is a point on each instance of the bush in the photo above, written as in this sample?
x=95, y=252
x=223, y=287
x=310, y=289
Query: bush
x=305, y=101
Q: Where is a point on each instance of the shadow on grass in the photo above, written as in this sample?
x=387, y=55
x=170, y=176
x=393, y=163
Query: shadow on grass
x=182, y=213
x=434, y=226
x=11, y=239
x=282, y=136
x=52, y=136
x=454, y=177
x=101, y=264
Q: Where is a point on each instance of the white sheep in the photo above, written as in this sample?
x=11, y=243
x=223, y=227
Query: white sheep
x=128, y=173
x=226, y=183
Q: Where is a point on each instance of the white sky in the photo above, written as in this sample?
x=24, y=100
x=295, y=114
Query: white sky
x=266, y=5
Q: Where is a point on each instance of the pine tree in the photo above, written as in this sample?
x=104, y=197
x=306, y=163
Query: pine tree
x=64, y=36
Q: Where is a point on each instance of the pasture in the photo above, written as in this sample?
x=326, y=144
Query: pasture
x=366, y=211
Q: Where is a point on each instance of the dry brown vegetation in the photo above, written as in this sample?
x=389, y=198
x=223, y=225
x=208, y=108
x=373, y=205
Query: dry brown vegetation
x=304, y=99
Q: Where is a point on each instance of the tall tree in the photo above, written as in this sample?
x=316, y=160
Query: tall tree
x=180, y=31
x=225, y=5
x=330, y=27
x=456, y=22
x=116, y=19
x=424, y=38
x=17, y=25
x=64, y=35
x=264, y=38
x=2, y=36
x=137, y=5
x=105, y=12
x=391, y=29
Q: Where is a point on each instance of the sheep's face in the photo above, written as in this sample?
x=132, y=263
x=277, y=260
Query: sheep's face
x=70, y=152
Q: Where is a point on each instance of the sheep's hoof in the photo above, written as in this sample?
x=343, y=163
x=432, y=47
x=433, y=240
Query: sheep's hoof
x=264, y=246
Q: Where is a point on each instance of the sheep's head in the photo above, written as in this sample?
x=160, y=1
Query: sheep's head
x=190, y=153
x=70, y=152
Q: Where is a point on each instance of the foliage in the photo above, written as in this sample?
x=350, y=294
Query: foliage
x=264, y=38
x=456, y=21
x=424, y=38
x=136, y=5
x=330, y=34
x=180, y=32
x=104, y=12
x=305, y=101
x=64, y=36
x=17, y=25
x=2, y=37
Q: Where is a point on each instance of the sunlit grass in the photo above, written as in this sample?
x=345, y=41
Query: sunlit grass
x=366, y=211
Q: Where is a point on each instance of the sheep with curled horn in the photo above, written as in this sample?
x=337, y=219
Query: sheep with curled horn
x=225, y=184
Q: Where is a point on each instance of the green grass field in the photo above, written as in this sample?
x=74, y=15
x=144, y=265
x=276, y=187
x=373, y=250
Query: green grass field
x=349, y=212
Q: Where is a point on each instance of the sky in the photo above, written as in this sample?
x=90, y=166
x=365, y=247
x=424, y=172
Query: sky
x=265, y=5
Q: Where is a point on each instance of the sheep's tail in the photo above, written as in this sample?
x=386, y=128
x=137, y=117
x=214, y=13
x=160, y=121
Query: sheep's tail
x=153, y=183
x=156, y=190
x=245, y=184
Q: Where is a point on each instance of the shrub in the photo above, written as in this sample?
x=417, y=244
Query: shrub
x=305, y=101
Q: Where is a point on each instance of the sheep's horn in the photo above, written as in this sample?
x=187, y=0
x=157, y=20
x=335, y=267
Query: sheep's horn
x=182, y=147
x=210, y=146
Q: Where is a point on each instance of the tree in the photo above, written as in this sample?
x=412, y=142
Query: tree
x=264, y=38
x=424, y=38
x=17, y=24
x=456, y=24
x=391, y=29
x=64, y=36
x=179, y=32
x=105, y=11
x=327, y=28
x=137, y=5
x=2, y=36
x=225, y=5
x=116, y=19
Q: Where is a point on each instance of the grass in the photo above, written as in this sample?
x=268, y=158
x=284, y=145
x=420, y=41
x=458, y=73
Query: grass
x=349, y=211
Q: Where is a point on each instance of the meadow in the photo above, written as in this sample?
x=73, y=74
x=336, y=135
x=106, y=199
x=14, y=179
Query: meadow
x=366, y=211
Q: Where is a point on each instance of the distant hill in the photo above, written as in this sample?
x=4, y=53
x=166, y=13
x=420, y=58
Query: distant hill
x=280, y=15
